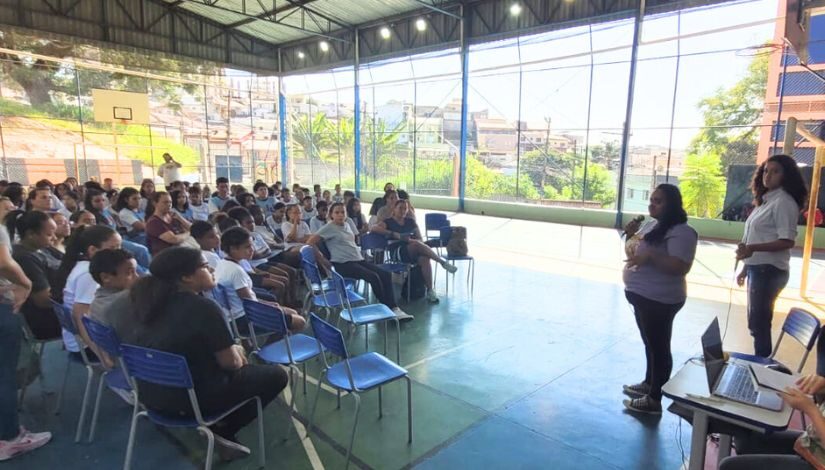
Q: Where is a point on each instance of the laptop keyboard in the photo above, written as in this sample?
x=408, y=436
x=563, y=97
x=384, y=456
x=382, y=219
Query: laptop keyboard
x=737, y=385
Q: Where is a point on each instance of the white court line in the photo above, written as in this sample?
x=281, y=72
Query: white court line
x=309, y=447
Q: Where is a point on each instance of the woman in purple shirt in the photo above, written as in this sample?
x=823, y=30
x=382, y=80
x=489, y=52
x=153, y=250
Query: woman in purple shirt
x=655, y=286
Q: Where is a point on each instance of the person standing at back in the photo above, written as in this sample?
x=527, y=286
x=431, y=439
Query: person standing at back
x=170, y=170
x=655, y=285
x=770, y=233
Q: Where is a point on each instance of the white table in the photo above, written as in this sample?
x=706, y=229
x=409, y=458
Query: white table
x=692, y=379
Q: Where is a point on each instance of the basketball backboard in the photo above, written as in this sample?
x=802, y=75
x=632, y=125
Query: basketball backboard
x=122, y=107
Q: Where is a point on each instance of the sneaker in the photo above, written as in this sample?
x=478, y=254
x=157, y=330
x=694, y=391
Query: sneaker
x=25, y=442
x=644, y=404
x=451, y=268
x=636, y=390
x=431, y=297
x=401, y=315
x=230, y=450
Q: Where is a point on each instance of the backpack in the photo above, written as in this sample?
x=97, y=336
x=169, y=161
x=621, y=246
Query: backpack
x=457, y=246
x=417, y=286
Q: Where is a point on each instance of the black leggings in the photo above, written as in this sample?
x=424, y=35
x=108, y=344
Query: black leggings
x=655, y=322
x=379, y=280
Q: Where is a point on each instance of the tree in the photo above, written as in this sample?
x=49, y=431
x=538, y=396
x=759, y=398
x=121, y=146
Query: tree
x=702, y=185
x=731, y=117
x=312, y=134
x=600, y=186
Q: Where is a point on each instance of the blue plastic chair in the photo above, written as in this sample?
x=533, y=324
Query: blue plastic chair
x=800, y=325
x=115, y=379
x=366, y=315
x=293, y=350
x=171, y=370
x=376, y=244
x=433, y=222
x=446, y=233
x=319, y=291
x=355, y=375
x=64, y=316
x=221, y=294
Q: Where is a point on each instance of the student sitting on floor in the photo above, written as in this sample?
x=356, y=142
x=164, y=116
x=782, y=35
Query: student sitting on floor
x=409, y=248
x=171, y=316
x=237, y=247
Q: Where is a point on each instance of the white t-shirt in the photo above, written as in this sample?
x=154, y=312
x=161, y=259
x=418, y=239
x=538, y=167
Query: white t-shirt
x=80, y=288
x=303, y=230
x=212, y=258
x=200, y=212
x=315, y=224
x=128, y=217
x=775, y=219
x=170, y=173
x=232, y=276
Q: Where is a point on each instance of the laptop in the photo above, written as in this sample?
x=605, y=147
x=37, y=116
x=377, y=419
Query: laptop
x=732, y=381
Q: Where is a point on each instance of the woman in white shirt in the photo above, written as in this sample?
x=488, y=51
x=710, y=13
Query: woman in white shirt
x=770, y=233
x=128, y=209
x=75, y=282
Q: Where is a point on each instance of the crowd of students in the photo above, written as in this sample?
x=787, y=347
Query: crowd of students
x=146, y=263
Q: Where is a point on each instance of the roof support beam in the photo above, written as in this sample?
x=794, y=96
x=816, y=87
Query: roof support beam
x=438, y=10
x=268, y=14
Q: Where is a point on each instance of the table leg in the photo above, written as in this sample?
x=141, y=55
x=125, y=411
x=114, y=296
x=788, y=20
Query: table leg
x=724, y=446
x=698, y=441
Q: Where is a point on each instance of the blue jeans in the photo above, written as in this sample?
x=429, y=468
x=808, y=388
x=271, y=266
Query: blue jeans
x=11, y=335
x=765, y=282
x=140, y=252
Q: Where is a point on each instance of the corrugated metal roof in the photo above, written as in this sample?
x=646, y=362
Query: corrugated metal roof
x=363, y=11
x=215, y=14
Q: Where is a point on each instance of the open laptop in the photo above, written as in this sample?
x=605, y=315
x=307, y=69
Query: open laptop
x=732, y=381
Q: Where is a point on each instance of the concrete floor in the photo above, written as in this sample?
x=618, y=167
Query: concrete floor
x=524, y=373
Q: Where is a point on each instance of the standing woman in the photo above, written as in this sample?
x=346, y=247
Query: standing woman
x=164, y=228
x=770, y=233
x=655, y=286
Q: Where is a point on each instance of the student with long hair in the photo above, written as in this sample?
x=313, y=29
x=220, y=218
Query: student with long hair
x=770, y=232
x=164, y=228
x=35, y=230
x=96, y=204
x=74, y=286
x=180, y=204
x=170, y=315
x=655, y=286
x=147, y=189
x=356, y=217
x=128, y=209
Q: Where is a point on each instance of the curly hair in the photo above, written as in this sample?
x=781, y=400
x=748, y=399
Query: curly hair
x=792, y=181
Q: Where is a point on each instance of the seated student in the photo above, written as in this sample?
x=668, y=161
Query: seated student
x=289, y=257
x=81, y=218
x=295, y=230
x=387, y=210
x=180, y=201
x=128, y=209
x=115, y=271
x=320, y=218
x=200, y=211
x=164, y=228
x=217, y=201
x=377, y=205
x=57, y=248
x=147, y=189
x=35, y=230
x=245, y=200
x=286, y=198
x=96, y=204
x=298, y=195
x=317, y=195
x=71, y=202
x=337, y=197
x=276, y=219
x=347, y=196
x=171, y=316
x=409, y=248
x=326, y=196
x=355, y=218
x=349, y=262
x=307, y=209
x=74, y=286
x=209, y=241
x=237, y=247
x=262, y=197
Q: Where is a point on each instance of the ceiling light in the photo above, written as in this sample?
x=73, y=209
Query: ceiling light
x=515, y=9
x=385, y=32
x=420, y=24
x=324, y=46
x=300, y=55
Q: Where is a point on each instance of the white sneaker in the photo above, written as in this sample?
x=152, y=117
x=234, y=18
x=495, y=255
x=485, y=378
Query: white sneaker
x=451, y=268
x=25, y=442
x=401, y=315
x=431, y=297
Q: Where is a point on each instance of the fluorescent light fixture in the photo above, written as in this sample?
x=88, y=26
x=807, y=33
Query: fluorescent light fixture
x=300, y=55
x=385, y=32
x=515, y=9
x=324, y=46
x=420, y=24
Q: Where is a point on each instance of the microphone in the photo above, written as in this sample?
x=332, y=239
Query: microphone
x=637, y=219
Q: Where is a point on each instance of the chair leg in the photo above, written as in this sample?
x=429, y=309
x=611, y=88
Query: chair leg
x=338, y=394
x=315, y=403
x=385, y=338
x=304, y=373
x=354, y=427
x=210, y=446
x=130, y=446
x=90, y=374
x=380, y=404
x=96, y=410
x=261, y=438
x=398, y=342
x=409, y=409
x=366, y=337
x=63, y=387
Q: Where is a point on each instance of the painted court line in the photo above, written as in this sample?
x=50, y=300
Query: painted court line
x=309, y=447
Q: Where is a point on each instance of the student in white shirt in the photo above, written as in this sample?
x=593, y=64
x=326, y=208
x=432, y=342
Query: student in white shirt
x=296, y=231
x=770, y=233
x=307, y=208
x=337, y=197
x=76, y=283
x=320, y=218
x=128, y=210
x=170, y=170
x=208, y=240
x=237, y=245
x=200, y=211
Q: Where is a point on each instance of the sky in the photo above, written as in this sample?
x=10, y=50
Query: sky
x=555, y=80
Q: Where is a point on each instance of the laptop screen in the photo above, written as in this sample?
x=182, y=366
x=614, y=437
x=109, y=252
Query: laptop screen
x=712, y=352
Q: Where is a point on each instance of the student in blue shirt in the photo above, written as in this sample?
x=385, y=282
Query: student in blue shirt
x=262, y=197
x=217, y=201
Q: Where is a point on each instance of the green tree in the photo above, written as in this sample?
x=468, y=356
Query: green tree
x=600, y=186
x=312, y=135
x=703, y=185
x=731, y=117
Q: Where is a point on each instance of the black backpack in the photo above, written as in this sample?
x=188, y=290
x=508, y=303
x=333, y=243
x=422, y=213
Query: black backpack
x=417, y=286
